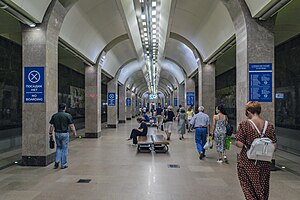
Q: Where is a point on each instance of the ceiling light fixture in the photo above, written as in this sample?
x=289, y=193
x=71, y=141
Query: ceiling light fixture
x=149, y=31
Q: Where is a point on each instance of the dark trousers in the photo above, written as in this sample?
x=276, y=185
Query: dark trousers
x=134, y=134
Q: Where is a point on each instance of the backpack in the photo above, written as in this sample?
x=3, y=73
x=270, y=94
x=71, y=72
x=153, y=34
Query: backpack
x=229, y=129
x=262, y=148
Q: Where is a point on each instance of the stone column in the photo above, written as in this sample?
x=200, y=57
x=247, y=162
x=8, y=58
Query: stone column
x=40, y=67
x=207, y=88
x=92, y=101
x=175, y=97
x=172, y=99
x=254, y=44
x=167, y=100
x=112, y=106
x=181, y=94
x=137, y=105
x=190, y=90
x=133, y=104
x=122, y=99
x=128, y=107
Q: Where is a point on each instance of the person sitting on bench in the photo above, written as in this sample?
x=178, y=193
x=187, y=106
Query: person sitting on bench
x=141, y=131
x=146, y=117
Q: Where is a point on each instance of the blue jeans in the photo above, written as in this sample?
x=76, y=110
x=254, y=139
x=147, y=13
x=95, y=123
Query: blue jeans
x=62, y=141
x=200, y=139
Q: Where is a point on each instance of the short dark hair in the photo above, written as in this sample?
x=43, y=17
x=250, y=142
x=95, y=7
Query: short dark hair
x=61, y=106
x=253, y=107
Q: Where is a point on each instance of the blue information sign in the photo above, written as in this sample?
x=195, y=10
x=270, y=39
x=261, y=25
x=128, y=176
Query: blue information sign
x=111, y=101
x=128, y=102
x=190, y=98
x=175, y=101
x=260, y=82
x=34, y=85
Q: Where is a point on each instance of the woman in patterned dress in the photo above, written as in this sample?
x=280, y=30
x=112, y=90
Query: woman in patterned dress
x=254, y=175
x=181, y=123
x=219, y=130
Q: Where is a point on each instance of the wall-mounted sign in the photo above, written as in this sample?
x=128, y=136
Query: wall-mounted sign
x=111, y=99
x=153, y=96
x=175, y=102
x=128, y=102
x=190, y=98
x=34, y=85
x=279, y=95
x=260, y=82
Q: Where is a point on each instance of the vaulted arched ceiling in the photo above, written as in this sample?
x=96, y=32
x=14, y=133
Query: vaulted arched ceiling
x=182, y=54
x=91, y=25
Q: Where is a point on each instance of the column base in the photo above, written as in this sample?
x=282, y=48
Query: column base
x=40, y=161
x=122, y=121
x=111, y=126
x=92, y=135
x=128, y=118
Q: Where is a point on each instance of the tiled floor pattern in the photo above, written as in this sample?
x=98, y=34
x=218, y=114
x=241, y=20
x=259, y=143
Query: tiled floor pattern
x=117, y=171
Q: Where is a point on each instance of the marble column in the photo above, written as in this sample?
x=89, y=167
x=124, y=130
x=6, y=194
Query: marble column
x=254, y=44
x=40, y=59
x=122, y=99
x=128, y=105
x=172, y=98
x=167, y=100
x=92, y=101
x=138, y=105
x=181, y=94
x=175, y=99
x=133, y=104
x=112, y=108
x=207, y=88
x=190, y=91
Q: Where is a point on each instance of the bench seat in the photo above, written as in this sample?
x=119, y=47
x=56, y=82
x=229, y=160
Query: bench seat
x=144, y=143
x=144, y=139
x=160, y=143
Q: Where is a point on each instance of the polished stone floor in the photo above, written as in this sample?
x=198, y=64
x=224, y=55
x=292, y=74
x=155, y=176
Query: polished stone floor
x=117, y=171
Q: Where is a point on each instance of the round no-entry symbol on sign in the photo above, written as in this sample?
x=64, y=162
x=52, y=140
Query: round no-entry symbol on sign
x=34, y=76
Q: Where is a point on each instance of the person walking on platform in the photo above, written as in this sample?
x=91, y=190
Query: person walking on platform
x=254, y=175
x=219, y=130
x=169, y=115
x=189, y=114
x=201, y=123
x=181, y=123
x=141, y=131
x=61, y=122
x=159, y=114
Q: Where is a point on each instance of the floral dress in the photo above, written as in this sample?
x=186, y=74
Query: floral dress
x=220, y=135
x=254, y=175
